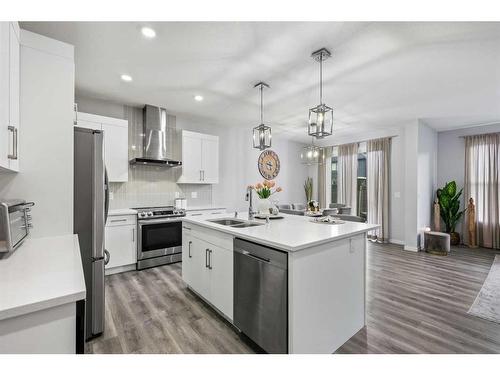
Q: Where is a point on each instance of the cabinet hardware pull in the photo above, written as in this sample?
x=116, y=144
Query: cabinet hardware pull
x=200, y=174
x=206, y=258
x=189, y=248
x=13, y=129
x=75, y=109
x=195, y=214
x=186, y=227
x=133, y=234
x=209, y=259
x=118, y=220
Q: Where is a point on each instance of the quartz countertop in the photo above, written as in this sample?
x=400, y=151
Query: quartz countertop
x=42, y=273
x=292, y=233
x=122, y=211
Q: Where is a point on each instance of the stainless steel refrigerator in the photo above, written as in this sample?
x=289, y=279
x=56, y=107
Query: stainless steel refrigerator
x=90, y=214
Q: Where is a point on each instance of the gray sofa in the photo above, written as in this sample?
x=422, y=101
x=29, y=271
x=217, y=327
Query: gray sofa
x=342, y=208
x=292, y=209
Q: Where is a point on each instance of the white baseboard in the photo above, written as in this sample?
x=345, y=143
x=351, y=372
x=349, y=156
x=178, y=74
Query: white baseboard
x=396, y=242
x=411, y=248
x=111, y=271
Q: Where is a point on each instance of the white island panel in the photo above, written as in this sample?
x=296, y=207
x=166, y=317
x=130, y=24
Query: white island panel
x=326, y=295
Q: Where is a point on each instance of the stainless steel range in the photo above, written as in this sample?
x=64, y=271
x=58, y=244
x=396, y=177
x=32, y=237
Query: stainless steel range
x=159, y=236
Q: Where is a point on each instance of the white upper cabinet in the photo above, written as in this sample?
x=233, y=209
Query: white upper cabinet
x=9, y=96
x=200, y=158
x=191, y=159
x=116, y=152
x=115, y=142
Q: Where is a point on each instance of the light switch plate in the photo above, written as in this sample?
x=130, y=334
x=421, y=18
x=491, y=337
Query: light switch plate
x=111, y=196
x=194, y=194
x=177, y=194
x=397, y=194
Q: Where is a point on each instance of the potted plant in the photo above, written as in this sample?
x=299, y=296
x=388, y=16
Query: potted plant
x=265, y=190
x=449, y=204
x=308, y=189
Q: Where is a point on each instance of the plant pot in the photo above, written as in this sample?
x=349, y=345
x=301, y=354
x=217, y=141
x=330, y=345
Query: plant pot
x=264, y=206
x=454, y=238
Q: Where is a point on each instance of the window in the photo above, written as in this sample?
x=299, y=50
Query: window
x=361, y=195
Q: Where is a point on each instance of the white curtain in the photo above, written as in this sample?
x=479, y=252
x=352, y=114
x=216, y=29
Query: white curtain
x=482, y=163
x=325, y=157
x=347, y=175
x=377, y=176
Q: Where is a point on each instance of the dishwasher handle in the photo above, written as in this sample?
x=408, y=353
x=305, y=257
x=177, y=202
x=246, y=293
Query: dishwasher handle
x=262, y=254
x=247, y=253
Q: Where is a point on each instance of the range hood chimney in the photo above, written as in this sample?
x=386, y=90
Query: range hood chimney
x=158, y=139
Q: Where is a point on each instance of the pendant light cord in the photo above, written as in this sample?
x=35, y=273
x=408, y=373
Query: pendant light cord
x=261, y=105
x=321, y=79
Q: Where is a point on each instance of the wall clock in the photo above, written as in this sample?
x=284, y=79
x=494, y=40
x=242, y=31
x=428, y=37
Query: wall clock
x=269, y=164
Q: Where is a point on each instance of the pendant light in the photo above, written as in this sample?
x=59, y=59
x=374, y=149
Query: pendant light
x=321, y=116
x=262, y=133
x=312, y=154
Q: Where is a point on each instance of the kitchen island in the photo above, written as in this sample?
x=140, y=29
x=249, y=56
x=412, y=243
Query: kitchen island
x=325, y=276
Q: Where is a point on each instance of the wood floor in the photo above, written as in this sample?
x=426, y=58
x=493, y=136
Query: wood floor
x=417, y=303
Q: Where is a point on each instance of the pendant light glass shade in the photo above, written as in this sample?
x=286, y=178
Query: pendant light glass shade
x=312, y=155
x=321, y=116
x=320, y=121
x=262, y=136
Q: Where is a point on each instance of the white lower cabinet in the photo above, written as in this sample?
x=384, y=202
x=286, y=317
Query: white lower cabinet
x=121, y=243
x=208, y=268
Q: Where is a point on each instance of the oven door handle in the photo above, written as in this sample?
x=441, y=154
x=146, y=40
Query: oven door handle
x=159, y=221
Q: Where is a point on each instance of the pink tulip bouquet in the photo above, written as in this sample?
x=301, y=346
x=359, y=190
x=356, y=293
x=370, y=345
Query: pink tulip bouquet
x=265, y=189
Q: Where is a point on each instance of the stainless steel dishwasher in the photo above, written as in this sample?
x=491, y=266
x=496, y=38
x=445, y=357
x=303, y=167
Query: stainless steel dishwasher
x=261, y=295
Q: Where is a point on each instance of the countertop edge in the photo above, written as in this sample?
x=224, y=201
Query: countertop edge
x=274, y=244
x=122, y=212
x=205, y=208
x=42, y=305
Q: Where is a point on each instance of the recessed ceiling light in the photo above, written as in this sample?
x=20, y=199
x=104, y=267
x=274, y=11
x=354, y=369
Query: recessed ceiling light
x=126, y=78
x=148, y=32
x=198, y=98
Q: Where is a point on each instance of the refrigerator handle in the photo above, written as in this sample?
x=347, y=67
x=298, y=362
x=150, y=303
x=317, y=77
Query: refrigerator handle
x=99, y=195
x=106, y=195
x=106, y=257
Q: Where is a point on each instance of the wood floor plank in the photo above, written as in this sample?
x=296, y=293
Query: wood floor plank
x=416, y=303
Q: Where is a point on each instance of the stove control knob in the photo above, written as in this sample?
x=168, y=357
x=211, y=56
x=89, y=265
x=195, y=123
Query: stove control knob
x=150, y=213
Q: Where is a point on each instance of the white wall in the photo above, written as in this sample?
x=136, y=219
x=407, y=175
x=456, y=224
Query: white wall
x=427, y=176
x=451, y=156
x=238, y=164
x=396, y=189
x=46, y=135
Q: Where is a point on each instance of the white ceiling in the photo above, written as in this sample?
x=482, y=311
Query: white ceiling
x=382, y=74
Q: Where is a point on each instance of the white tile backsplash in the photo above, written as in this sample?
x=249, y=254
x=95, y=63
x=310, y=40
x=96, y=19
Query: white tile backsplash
x=152, y=185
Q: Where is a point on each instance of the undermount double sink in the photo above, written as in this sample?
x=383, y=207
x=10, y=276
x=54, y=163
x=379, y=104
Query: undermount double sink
x=235, y=223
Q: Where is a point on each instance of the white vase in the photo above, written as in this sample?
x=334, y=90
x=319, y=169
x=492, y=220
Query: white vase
x=264, y=206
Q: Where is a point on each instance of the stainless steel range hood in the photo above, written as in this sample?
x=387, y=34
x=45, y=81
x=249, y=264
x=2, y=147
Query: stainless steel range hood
x=158, y=138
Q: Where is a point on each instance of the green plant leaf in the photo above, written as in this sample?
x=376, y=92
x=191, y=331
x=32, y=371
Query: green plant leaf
x=451, y=188
x=444, y=201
